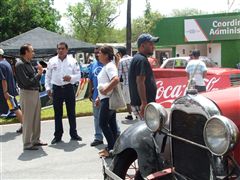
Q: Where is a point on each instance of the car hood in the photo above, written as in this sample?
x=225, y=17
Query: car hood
x=228, y=101
x=222, y=71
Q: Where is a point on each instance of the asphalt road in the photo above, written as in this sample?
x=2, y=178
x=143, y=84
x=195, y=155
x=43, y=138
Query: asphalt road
x=66, y=160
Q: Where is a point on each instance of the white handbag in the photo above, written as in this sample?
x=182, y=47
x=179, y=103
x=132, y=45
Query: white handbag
x=116, y=100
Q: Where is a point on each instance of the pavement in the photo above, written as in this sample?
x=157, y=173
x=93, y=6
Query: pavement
x=65, y=160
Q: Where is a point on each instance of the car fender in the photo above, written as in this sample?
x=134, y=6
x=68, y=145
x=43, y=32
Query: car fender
x=140, y=138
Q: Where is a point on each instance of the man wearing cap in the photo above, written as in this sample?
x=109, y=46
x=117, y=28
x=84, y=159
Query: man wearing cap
x=142, y=84
x=8, y=89
x=197, y=70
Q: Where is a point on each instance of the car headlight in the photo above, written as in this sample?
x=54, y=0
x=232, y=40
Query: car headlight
x=220, y=135
x=155, y=116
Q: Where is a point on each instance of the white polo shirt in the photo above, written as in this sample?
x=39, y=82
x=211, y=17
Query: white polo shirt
x=57, y=69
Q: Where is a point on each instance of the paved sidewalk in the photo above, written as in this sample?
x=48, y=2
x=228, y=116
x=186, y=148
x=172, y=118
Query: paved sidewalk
x=66, y=160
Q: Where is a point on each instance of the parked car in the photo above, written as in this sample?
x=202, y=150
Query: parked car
x=181, y=62
x=171, y=78
x=197, y=139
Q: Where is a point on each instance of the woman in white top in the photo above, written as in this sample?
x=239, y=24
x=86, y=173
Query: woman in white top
x=107, y=80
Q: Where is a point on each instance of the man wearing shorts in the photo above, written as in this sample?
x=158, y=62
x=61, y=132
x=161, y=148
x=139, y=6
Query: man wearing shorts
x=8, y=90
x=142, y=85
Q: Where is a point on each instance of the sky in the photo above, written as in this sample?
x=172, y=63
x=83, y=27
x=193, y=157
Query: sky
x=165, y=7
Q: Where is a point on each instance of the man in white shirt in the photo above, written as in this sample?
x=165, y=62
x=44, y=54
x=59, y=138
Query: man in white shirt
x=197, y=70
x=62, y=72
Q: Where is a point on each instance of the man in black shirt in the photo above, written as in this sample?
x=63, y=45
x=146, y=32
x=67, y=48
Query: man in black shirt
x=28, y=82
x=142, y=84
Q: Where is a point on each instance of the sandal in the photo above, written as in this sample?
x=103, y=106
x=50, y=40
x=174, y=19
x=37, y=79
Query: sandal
x=105, y=153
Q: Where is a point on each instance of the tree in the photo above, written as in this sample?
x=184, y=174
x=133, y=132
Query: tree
x=92, y=19
x=19, y=16
x=146, y=23
x=187, y=12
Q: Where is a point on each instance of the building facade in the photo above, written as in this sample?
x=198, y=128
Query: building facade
x=217, y=36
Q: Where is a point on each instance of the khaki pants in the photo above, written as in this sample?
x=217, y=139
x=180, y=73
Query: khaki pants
x=31, y=108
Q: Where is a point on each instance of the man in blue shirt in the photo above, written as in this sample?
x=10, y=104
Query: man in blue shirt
x=94, y=70
x=8, y=89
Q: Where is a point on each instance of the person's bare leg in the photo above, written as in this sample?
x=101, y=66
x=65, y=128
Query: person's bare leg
x=129, y=109
x=19, y=115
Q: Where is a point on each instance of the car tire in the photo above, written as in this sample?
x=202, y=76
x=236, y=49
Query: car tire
x=121, y=163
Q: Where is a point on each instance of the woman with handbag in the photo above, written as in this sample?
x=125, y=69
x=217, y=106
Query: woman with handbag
x=107, y=81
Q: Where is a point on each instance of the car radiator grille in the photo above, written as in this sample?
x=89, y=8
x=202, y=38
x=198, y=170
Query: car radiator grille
x=235, y=79
x=189, y=160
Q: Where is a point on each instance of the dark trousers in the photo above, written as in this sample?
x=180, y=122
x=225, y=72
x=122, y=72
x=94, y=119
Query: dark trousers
x=201, y=88
x=108, y=123
x=61, y=94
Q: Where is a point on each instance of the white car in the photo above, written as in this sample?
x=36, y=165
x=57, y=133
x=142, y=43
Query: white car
x=181, y=62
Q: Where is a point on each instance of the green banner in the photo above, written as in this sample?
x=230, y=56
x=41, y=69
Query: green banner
x=210, y=29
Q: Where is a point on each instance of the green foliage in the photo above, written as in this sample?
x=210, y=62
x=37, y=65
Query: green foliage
x=116, y=36
x=19, y=16
x=92, y=19
x=187, y=12
x=146, y=23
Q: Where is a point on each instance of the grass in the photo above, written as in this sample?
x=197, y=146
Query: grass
x=83, y=108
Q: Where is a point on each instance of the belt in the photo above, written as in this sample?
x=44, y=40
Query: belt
x=63, y=86
x=30, y=89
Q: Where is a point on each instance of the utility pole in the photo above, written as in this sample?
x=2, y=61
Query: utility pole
x=129, y=29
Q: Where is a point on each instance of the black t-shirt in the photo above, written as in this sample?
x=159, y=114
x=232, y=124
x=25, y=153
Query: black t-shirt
x=7, y=74
x=140, y=66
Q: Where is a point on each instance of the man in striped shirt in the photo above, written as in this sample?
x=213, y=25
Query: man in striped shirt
x=123, y=67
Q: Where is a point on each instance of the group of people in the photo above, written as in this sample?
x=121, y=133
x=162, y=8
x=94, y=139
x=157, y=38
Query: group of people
x=106, y=71
x=62, y=72
x=137, y=82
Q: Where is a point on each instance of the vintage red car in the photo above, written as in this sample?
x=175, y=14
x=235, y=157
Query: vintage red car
x=197, y=139
x=172, y=82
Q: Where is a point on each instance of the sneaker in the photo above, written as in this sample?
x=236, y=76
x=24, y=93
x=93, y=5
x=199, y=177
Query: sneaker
x=76, y=138
x=129, y=117
x=19, y=130
x=96, y=142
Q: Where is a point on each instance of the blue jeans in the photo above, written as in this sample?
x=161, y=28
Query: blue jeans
x=98, y=131
x=108, y=123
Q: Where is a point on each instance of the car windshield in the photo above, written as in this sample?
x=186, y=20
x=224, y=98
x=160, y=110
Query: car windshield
x=209, y=63
x=182, y=62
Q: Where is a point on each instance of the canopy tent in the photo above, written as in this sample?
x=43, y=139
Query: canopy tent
x=44, y=43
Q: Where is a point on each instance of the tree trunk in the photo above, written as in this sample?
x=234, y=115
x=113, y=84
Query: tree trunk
x=129, y=29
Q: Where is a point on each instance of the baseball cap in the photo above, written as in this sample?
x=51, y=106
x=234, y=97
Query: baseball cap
x=196, y=53
x=146, y=37
x=1, y=52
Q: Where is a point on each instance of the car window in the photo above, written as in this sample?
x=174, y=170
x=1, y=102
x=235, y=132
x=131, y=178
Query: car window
x=180, y=63
x=169, y=64
x=209, y=63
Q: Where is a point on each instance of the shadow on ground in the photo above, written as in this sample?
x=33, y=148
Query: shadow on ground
x=8, y=136
x=67, y=146
x=30, y=155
